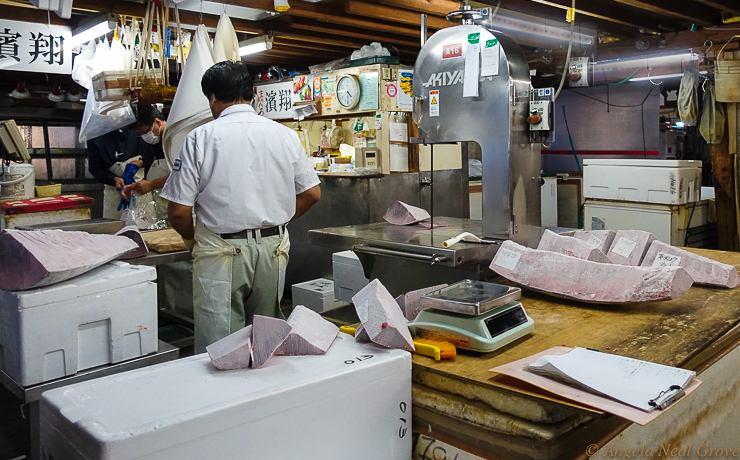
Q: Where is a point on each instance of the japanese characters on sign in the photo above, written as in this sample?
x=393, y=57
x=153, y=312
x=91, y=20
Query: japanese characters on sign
x=34, y=47
x=274, y=100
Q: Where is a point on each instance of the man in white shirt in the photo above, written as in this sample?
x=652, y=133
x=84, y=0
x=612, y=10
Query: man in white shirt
x=246, y=176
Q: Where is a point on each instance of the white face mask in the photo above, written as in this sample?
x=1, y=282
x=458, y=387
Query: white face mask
x=150, y=138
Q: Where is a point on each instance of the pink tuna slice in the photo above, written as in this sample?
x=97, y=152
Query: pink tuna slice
x=400, y=213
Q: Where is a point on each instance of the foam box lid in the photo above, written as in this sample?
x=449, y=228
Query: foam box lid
x=113, y=275
x=189, y=398
x=643, y=163
x=320, y=285
x=52, y=203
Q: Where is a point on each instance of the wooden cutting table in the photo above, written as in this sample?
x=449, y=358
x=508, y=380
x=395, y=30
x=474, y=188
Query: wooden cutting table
x=494, y=416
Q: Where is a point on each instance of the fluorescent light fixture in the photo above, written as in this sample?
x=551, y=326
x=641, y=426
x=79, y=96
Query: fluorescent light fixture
x=513, y=24
x=93, y=28
x=663, y=77
x=645, y=61
x=255, y=45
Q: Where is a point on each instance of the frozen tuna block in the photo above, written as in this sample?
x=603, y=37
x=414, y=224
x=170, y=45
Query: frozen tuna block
x=578, y=279
x=382, y=318
x=570, y=246
x=233, y=351
x=311, y=334
x=410, y=302
x=267, y=335
x=403, y=214
x=701, y=269
x=629, y=247
x=361, y=335
x=32, y=259
x=599, y=239
x=132, y=232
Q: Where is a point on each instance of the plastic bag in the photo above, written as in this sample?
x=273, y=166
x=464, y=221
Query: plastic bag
x=712, y=126
x=371, y=50
x=83, y=66
x=688, y=103
x=104, y=117
x=148, y=211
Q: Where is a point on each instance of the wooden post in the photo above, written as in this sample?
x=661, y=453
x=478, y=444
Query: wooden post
x=723, y=172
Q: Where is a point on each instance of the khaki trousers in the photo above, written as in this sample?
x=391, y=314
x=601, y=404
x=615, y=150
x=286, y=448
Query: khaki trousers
x=233, y=280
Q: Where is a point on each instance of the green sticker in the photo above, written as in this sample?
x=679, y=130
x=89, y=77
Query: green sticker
x=474, y=38
x=491, y=43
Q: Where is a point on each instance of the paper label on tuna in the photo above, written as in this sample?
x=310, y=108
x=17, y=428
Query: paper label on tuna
x=666, y=260
x=507, y=259
x=594, y=241
x=624, y=247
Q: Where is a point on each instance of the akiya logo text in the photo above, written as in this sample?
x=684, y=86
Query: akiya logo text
x=444, y=79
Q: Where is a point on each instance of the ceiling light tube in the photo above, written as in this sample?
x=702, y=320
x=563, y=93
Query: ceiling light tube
x=255, y=45
x=92, y=29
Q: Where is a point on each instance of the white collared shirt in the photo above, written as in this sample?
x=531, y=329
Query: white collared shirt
x=240, y=171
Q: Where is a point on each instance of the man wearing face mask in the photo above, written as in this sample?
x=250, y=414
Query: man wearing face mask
x=150, y=124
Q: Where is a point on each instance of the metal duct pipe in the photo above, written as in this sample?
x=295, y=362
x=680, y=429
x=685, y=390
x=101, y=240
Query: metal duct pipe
x=423, y=29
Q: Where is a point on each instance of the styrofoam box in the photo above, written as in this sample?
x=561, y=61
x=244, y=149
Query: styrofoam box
x=648, y=181
x=318, y=295
x=105, y=316
x=353, y=402
x=666, y=222
x=349, y=277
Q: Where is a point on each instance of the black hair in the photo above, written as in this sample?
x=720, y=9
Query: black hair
x=228, y=82
x=146, y=114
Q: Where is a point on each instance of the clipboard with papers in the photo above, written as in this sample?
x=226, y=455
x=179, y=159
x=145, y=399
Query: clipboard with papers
x=636, y=390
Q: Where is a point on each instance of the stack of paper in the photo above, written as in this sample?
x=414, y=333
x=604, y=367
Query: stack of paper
x=637, y=383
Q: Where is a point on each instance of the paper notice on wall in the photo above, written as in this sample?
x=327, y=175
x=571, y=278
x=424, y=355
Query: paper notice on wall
x=399, y=132
x=399, y=158
x=369, y=91
x=489, y=58
x=434, y=103
x=404, y=99
x=328, y=92
x=472, y=70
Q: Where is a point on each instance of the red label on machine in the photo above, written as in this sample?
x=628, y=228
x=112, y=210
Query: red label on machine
x=452, y=51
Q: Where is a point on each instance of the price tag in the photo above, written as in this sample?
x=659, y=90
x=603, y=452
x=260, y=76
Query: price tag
x=594, y=241
x=507, y=259
x=666, y=260
x=624, y=247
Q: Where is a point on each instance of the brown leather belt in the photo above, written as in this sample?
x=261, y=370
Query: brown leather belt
x=244, y=234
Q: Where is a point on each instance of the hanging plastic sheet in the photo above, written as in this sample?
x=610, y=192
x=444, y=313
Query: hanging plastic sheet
x=225, y=43
x=104, y=117
x=83, y=66
x=190, y=107
x=712, y=126
x=688, y=103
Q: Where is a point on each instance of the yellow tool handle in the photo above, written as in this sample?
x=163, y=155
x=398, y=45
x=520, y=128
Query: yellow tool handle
x=421, y=348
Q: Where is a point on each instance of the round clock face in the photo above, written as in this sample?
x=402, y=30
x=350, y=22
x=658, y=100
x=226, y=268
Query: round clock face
x=348, y=91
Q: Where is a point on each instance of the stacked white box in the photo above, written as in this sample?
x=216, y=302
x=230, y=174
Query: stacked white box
x=647, y=181
x=349, y=277
x=353, y=402
x=105, y=316
x=318, y=295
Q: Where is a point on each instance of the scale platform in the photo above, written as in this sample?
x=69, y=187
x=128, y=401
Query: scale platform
x=473, y=315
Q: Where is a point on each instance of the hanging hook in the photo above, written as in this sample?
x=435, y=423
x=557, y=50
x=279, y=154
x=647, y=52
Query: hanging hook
x=711, y=44
x=703, y=85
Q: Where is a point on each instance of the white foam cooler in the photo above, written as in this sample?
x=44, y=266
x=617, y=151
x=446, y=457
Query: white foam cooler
x=349, y=277
x=105, y=316
x=354, y=402
x=647, y=181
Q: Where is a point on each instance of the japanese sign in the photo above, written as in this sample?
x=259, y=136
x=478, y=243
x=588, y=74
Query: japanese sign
x=34, y=47
x=274, y=100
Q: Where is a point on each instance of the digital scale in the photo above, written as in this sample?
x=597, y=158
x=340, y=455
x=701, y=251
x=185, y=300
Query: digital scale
x=473, y=315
